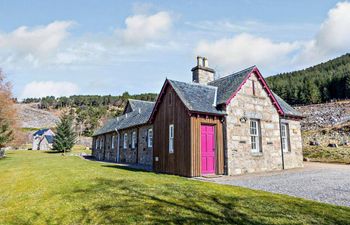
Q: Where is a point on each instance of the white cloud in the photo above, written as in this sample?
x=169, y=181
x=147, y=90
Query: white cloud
x=49, y=88
x=333, y=36
x=332, y=39
x=245, y=50
x=143, y=28
x=36, y=43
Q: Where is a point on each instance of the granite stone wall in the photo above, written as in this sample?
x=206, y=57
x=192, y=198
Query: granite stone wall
x=294, y=157
x=247, y=105
x=145, y=156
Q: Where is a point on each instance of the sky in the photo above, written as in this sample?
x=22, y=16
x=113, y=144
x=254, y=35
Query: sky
x=63, y=48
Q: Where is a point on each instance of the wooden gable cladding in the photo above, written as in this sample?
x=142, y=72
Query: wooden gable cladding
x=172, y=111
x=186, y=159
x=196, y=122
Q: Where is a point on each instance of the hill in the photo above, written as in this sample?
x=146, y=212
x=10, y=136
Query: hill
x=31, y=117
x=89, y=111
x=317, y=84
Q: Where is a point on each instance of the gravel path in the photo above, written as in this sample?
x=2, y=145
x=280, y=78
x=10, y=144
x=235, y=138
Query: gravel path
x=329, y=183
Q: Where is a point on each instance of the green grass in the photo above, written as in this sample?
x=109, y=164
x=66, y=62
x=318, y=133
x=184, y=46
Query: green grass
x=43, y=188
x=327, y=154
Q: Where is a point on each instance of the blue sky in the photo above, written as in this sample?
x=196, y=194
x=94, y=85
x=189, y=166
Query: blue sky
x=108, y=47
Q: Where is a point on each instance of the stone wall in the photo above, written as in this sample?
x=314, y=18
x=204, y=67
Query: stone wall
x=128, y=154
x=141, y=154
x=145, y=156
x=247, y=105
x=294, y=157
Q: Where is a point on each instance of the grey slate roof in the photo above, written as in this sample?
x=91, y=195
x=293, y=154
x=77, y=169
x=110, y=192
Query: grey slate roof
x=49, y=138
x=229, y=84
x=197, y=97
x=286, y=108
x=40, y=132
x=141, y=112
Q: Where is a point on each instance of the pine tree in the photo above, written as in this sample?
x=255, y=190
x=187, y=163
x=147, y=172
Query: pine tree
x=347, y=85
x=65, y=135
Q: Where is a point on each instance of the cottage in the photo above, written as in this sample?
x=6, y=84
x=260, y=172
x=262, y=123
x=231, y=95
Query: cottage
x=43, y=139
x=231, y=125
x=128, y=138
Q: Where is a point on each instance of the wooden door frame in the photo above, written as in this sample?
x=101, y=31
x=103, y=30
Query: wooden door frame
x=216, y=147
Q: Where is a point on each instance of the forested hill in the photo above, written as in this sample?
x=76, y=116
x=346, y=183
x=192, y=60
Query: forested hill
x=89, y=111
x=88, y=100
x=321, y=83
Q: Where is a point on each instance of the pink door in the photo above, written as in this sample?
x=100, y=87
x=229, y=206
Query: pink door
x=208, y=149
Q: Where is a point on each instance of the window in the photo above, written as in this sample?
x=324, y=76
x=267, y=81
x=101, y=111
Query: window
x=285, y=137
x=101, y=143
x=112, y=141
x=171, y=138
x=149, y=138
x=125, y=143
x=255, y=136
x=133, y=139
x=97, y=142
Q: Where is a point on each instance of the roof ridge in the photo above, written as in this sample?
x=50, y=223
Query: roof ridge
x=235, y=73
x=132, y=99
x=195, y=84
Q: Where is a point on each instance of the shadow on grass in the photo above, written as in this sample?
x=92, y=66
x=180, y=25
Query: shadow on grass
x=168, y=203
x=128, y=168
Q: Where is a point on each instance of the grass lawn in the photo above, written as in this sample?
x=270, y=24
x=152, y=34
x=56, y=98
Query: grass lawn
x=46, y=188
x=327, y=154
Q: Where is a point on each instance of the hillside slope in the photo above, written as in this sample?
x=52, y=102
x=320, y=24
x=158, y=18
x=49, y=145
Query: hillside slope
x=317, y=84
x=32, y=117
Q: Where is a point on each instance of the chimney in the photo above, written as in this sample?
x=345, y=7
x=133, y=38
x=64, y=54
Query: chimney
x=201, y=73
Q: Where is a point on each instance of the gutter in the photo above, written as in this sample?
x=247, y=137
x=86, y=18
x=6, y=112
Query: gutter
x=118, y=157
x=282, y=153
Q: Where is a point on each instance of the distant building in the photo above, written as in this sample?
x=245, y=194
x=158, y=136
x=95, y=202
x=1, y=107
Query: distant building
x=43, y=139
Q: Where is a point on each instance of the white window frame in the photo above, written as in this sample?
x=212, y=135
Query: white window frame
x=171, y=138
x=97, y=143
x=285, y=137
x=125, y=141
x=112, y=139
x=133, y=139
x=254, y=129
x=150, y=138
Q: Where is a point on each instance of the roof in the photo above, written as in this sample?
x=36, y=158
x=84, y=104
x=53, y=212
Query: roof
x=40, y=132
x=229, y=84
x=139, y=116
x=286, y=108
x=49, y=138
x=197, y=97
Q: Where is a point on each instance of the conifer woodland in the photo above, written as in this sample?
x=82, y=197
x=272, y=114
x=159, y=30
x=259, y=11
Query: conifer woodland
x=318, y=84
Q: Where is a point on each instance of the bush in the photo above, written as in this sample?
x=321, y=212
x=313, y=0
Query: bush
x=2, y=153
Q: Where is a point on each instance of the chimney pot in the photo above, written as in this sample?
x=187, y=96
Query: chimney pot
x=199, y=61
x=205, y=62
x=201, y=73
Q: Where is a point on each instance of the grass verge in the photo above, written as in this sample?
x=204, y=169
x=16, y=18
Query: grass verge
x=327, y=154
x=41, y=188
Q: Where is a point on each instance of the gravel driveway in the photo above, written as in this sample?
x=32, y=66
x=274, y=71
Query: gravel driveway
x=329, y=183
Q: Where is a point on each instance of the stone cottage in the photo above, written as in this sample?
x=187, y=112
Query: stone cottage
x=127, y=138
x=43, y=139
x=231, y=125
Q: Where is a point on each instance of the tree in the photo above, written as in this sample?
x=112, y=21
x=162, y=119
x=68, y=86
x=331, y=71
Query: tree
x=8, y=116
x=65, y=136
